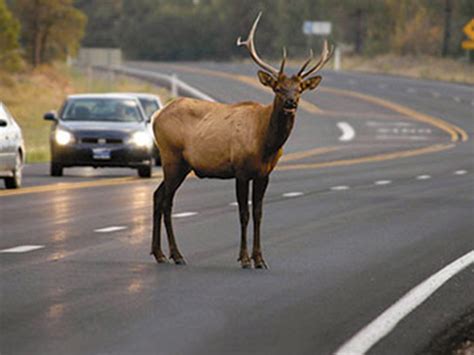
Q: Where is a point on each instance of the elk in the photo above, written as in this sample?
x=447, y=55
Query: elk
x=226, y=141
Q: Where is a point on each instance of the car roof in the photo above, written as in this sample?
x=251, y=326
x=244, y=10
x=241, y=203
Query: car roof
x=139, y=95
x=103, y=95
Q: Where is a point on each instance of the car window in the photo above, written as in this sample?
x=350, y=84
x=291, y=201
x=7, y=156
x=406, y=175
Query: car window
x=102, y=109
x=150, y=106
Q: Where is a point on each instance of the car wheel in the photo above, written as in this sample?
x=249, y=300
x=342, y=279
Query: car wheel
x=145, y=171
x=14, y=182
x=56, y=169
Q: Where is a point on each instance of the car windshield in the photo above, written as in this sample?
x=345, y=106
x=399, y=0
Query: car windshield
x=102, y=109
x=150, y=106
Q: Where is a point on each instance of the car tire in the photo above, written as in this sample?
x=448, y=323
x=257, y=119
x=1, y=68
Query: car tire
x=56, y=169
x=145, y=171
x=14, y=182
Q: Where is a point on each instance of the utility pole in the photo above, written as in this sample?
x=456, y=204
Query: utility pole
x=447, y=27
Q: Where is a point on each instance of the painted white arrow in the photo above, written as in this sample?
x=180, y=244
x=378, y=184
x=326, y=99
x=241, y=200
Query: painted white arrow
x=348, y=132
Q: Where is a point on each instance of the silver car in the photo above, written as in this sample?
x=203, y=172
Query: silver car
x=150, y=104
x=12, y=149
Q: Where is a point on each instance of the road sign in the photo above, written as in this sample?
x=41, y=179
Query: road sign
x=469, y=31
x=317, y=28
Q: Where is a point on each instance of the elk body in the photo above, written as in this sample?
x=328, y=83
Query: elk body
x=242, y=141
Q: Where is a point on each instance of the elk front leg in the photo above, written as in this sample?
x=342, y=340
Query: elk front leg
x=242, y=192
x=174, y=176
x=259, y=188
x=156, y=250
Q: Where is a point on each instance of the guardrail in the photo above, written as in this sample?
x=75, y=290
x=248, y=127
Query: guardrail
x=175, y=85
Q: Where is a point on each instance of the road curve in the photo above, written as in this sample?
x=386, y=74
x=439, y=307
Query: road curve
x=350, y=227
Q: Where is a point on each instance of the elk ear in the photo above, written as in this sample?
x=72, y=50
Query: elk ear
x=311, y=83
x=266, y=79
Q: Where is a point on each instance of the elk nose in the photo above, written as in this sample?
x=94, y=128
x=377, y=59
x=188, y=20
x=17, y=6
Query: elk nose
x=290, y=103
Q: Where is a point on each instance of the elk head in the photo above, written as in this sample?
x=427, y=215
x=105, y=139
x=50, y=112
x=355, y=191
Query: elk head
x=287, y=89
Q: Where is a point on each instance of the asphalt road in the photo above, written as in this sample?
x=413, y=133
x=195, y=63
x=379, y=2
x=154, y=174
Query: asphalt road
x=350, y=226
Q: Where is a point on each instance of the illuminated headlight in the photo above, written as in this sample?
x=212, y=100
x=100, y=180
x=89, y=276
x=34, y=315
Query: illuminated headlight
x=142, y=139
x=63, y=137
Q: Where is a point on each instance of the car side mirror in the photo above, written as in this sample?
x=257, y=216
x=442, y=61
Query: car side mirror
x=51, y=116
x=3, y=123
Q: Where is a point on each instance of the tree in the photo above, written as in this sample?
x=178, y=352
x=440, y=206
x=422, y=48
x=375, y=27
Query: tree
x=51, y=28
x=10, y=58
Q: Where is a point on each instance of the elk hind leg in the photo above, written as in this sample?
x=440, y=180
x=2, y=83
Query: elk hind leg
x=174, y=176
x=158, y=198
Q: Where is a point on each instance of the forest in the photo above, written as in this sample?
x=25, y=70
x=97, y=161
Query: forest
x=40, y=31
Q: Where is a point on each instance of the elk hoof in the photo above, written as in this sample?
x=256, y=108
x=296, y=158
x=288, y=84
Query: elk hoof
x=159, y=257
x=258, y=262
x=178, y=259
x=245, y=262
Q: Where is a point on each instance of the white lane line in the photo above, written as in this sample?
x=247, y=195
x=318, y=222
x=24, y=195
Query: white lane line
x=235, y=203
x=457, y=99
x=348, y=132
x=293, y=194
x=383, y=182
x=22, y=249
x=371, y=334
x=183, y=214
x=460, y=172
x=423, y=177
x=110, y=229
x=340, y=188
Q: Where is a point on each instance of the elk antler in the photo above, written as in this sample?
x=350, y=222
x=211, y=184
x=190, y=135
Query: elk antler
x=249, y=43
x=325, y=56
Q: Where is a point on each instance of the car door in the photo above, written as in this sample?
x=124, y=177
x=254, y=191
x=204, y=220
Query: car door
x=7, y=144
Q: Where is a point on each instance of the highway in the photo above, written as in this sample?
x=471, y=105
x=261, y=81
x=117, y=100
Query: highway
x=374, y=195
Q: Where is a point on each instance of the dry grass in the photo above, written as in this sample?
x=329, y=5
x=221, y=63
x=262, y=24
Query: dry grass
x=28, y=96
x=425, y=67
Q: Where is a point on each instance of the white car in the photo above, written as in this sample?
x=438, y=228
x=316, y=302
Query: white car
x=12, y=149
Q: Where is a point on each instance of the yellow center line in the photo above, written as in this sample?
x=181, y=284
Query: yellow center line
x=63, y=186
x=369, y=159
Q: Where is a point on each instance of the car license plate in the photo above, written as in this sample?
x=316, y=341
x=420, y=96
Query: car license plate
x=101, y=153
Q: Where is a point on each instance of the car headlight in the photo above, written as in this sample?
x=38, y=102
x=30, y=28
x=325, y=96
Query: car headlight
x=142, y=139
x=63, y=137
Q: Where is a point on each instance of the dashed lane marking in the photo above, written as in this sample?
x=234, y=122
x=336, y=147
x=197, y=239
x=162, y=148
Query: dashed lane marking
x=340, y=188
x=371, y=334
x=235, y=203
x=423, y=177
x=110, y=229
x=383, y=182
x=460, y=172
x=22, y=249
x=293, y=194
x=184, y=214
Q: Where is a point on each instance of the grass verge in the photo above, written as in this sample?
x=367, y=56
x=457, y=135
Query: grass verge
x=29, y=95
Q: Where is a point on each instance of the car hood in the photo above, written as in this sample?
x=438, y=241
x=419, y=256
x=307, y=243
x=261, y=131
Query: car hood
x=102, y=126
